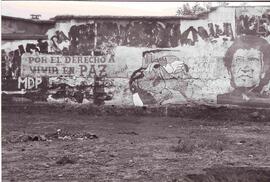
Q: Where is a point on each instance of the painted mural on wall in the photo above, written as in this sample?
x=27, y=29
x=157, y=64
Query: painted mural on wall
x=101, y=37
x=158, y=78
x=240, y=77
x=11, y=60
x=40, y=75
x=176, y=77
x=253, y=21
x=146, y=62
x=139, y=33
x=248, y=63
x=209, y=33
x=42, y=65
x=80, y=40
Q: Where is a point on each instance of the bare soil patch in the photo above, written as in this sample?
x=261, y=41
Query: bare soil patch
x=74, y=147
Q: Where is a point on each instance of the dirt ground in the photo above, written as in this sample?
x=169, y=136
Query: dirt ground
x=73, y=147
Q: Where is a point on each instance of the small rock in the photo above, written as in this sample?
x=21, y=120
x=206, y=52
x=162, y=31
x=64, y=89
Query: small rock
x=35, y=138
x=112, y=155
x=65, y=160
x=90, y=136
x=230, y=163
x=255, y=114
x=46, y=165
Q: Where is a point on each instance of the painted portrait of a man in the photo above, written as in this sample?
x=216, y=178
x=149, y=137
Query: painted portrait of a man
x=248, y=64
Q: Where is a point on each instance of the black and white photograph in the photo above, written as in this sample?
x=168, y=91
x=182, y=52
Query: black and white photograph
x=147, y=91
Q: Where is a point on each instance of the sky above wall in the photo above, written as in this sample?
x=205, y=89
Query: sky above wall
x=49, y=9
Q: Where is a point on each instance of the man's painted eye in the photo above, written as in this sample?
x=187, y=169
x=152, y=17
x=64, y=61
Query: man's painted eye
x=239, y=59
x=253, y=59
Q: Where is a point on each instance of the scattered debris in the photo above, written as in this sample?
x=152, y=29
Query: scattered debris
x=65, y=138
x=27, y=138
x=89, y=136
x=68, y=136
x=128, y=133
x=143, y=172
x=58, y=135
x=85, y=136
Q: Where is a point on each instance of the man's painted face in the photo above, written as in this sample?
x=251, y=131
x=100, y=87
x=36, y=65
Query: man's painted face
x=247, y=67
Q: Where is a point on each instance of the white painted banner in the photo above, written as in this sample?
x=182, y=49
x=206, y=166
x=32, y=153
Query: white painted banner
x=40, y=65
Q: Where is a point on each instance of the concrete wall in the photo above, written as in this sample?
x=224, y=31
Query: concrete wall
x=158, y=61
